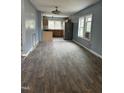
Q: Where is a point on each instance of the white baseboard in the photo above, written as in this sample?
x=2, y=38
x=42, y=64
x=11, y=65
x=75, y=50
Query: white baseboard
x=88, y=49
x=26, y=54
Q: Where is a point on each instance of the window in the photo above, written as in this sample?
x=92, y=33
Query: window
x=57, y=25
x=53, y=24
x=84, y=29
x=81, y=27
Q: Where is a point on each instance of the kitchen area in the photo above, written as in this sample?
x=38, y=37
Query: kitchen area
x=52, y=28
x=56, y=28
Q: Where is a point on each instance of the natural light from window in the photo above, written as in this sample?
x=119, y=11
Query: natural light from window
x=84, y=27
x=55, y=24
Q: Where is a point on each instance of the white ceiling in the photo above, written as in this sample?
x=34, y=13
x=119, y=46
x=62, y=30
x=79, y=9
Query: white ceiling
x=67, y=7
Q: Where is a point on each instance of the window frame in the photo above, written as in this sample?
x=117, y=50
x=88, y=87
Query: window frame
x=85, y=26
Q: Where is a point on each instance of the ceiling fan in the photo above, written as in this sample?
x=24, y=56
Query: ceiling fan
x=56, y=11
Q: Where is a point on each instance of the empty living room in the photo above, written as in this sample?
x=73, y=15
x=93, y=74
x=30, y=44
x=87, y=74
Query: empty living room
x=61, y=46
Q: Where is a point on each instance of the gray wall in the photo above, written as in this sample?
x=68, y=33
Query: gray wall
x=31, y=26
x=95, y=43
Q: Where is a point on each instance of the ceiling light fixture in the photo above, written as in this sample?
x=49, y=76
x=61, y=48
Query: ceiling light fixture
x=56, y=11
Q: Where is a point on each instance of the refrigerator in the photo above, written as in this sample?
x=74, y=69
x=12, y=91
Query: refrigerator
x=68, y=32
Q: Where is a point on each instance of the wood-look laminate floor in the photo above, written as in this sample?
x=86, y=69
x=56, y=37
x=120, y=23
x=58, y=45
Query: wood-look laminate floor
x=61, y=67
